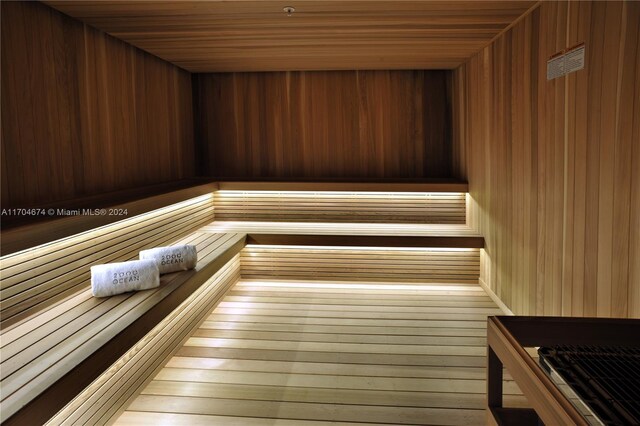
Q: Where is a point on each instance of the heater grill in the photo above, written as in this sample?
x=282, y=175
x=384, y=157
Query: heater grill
x=607, y=379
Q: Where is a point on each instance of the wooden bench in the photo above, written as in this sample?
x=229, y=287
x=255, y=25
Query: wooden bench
x=368, y=234
x=63, y=349
x=33, y=279
x=443, y=253
x=342, y=202
x=50, y=357
x=104, y=399
x=319, y=229
x=56, y=338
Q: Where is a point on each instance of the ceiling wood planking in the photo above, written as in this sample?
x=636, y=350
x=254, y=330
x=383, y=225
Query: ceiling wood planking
x=235, y=36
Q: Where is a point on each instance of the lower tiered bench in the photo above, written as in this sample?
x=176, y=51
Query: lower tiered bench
x=48, y=358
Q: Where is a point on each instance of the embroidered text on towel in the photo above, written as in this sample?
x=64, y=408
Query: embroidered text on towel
x=171, y=259
x=126, y=277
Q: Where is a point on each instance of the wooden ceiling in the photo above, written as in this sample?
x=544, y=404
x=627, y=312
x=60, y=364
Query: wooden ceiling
x=239, y=35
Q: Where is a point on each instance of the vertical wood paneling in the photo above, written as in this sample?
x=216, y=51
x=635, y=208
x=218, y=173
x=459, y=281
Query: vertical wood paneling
x=339, y=124
x=634, y=225
x=84, y=113
x=622, y=111
x=603, y=110
x=459, y=121
x=552, y=165
x=550, y=153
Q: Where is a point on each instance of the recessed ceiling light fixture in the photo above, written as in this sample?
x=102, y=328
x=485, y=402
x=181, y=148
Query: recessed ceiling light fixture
x=289, y=10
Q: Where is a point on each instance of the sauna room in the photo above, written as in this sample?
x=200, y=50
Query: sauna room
x=320, y=212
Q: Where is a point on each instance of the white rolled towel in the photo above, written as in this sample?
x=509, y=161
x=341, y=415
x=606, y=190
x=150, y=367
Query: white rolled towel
x=173, y=258
x=116, y=278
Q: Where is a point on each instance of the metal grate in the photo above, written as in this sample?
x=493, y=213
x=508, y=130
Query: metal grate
x=607, y=379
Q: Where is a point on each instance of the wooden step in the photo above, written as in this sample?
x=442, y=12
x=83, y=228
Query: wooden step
x=352, y=234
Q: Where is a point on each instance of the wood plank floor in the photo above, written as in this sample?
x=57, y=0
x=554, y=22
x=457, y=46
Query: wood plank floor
x=314, y=353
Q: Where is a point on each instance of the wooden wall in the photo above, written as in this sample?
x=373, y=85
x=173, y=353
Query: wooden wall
x=337, y=124
x=83, y=112
x=554, y=166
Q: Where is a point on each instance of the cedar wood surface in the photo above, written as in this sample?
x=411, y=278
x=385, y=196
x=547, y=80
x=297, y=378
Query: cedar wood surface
x=346, y=124
x=231, y=36
x=84, y=113
x=312, y=352
x=554, y=166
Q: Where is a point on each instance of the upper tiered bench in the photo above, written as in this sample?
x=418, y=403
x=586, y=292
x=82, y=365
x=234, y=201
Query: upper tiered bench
x=350, y=231
x=405, y=214
x=331, y=202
